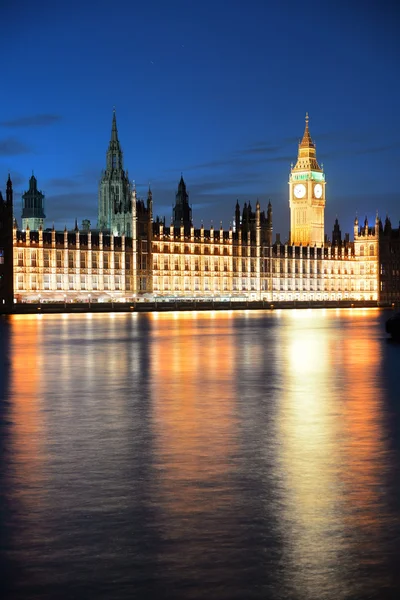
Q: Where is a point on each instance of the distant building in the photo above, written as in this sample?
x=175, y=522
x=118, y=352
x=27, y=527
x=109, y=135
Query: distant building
x=33, y=216
x=131, y=257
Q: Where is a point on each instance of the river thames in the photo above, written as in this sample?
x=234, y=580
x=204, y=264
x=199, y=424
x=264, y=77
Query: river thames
x=219, y=455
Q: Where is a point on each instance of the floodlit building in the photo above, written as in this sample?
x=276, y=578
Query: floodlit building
x=130, y=257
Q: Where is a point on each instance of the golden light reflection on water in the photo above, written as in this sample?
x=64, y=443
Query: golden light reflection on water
x=25, y=388
x=332, y=451
x=193, y=405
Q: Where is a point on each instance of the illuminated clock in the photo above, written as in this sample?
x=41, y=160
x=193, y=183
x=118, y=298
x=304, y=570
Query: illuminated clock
x=318, y=190
x=299, y=190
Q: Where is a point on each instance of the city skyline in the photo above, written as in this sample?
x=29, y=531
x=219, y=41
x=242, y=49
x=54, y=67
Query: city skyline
x=213, y=95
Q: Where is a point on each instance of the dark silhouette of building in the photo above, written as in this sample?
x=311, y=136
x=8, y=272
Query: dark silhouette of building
x=182, y=213
x=336, y=234
x=6, y=248
x=389, y=263
x=247, y=222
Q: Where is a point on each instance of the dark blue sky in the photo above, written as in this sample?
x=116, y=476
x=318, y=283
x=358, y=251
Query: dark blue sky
x=215, y=89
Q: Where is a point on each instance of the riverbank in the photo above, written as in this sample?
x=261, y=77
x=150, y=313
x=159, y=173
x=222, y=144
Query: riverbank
x=162, y=306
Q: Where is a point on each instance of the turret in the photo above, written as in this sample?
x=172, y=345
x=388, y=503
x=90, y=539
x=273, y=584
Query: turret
x=182, y=212
x=269, y=224
x=9, y=192
x=237, y=216
x=355, y=227
x=377, y=224
x=336, y=234
x=33, y=207
x=150, y=208
x=388, y=226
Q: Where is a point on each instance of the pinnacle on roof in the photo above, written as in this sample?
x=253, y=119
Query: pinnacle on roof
x=307, y=142
x=33, y=183
x=182, y=185
x=114, y=131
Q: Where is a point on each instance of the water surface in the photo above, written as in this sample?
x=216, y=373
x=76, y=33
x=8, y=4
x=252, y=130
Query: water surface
x=222, y=455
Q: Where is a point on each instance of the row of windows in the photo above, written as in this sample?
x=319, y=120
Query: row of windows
x=73, y=282
x=30, y=258
x=207, y=285
x=187, y=249
x=319, y=286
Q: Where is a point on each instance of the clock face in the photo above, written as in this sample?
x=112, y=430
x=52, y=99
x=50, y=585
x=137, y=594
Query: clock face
x=318, y=190
x=299, y=190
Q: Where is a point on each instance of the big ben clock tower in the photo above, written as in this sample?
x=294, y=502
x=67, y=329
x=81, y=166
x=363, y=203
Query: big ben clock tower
x=307, y=195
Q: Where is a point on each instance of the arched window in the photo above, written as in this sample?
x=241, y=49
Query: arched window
x=361, y=250
x=371, y=250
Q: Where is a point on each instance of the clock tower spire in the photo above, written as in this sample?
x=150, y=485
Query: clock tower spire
x=307, y=195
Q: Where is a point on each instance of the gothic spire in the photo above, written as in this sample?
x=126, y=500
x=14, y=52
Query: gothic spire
x=307, y=142
x=182, y=185
x=307, y=159
x=182, y=210
x=114, y=130
x=9, y=191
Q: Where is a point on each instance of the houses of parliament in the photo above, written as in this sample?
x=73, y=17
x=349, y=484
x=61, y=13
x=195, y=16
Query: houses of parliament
x=130, y=256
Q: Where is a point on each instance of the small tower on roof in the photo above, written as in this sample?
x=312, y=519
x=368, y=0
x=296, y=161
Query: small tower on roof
x=237, y=221
x=33, y=216
x=182, y=213
x=336, y=234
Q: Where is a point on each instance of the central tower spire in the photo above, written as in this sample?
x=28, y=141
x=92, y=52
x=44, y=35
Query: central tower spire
x=114, y=152
x=307, y=155
x=307, y=142
x=114, y=130
x=114, y=190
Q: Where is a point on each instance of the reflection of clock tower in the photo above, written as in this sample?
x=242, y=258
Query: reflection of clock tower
x=307, y=195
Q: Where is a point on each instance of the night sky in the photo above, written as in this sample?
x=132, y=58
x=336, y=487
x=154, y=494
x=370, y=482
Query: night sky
x=217, y=90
